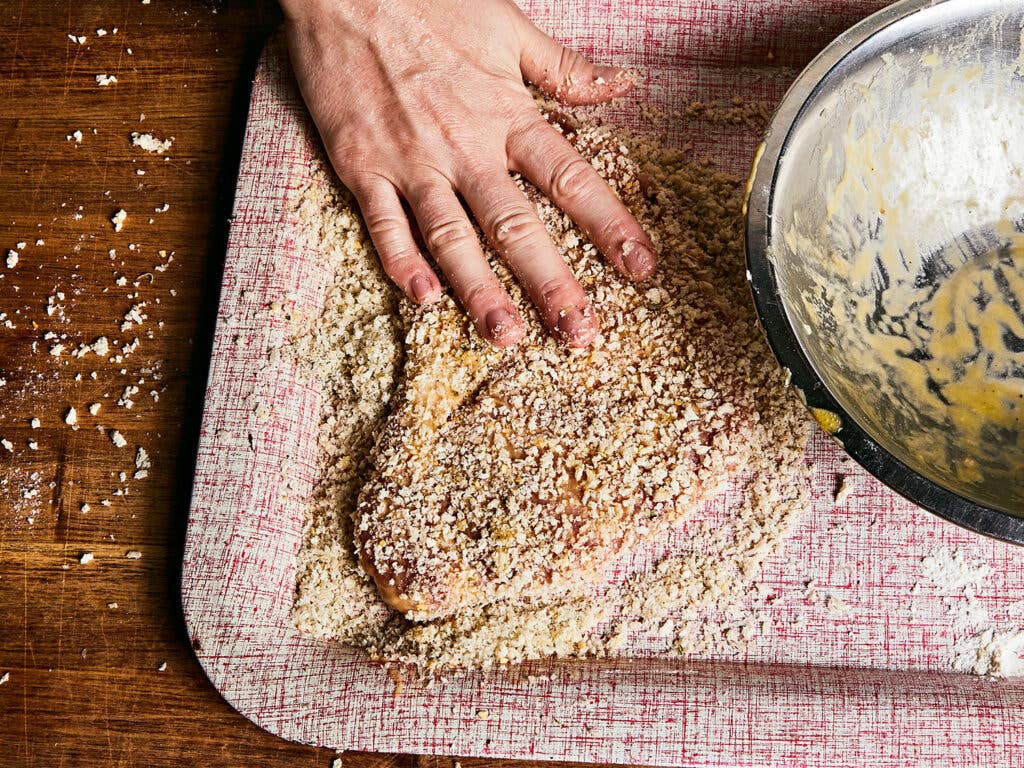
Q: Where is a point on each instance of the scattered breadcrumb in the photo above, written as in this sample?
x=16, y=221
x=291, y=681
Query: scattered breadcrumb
x=85, y=558
x=112, y=606
x=162, y=667
x=836, y=606
x=142, y=464
x=134, y=316
x=7, y=444
x=71, y=417
x=992, y=653
x=5, y=677
x=35, y=423
x=94, y=408
x=118, y=439
x=950, y=570
x=84, y=507
x=103, y=80
x=846, y=486
x=133, y=554
x=125, y=401
x=151, y=143
x=100, y=347
x=12, y=259
x=118, y=219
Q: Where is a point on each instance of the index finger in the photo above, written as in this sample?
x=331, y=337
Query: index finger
x=517, y=234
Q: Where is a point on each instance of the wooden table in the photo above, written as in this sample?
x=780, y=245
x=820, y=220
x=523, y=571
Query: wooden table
x=84, y=644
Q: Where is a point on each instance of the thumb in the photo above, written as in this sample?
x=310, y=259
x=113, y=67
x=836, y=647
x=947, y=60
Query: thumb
x=567, y=75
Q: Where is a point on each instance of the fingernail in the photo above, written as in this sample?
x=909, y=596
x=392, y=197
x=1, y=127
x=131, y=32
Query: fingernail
x=639, y=260
x=576, y=326
x=502, y=326
x=422, y=288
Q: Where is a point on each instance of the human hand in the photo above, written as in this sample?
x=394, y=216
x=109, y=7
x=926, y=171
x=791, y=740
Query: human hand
x=423, y=102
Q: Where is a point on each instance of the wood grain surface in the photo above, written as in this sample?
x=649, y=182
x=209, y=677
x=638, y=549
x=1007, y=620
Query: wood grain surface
x=84, y=685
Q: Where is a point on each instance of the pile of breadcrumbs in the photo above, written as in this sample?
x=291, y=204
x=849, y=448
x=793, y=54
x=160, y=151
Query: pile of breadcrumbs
x=696, y=313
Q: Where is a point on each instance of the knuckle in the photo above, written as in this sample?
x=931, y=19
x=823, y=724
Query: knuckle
x=481, y=295
x=556, y=292
x=477, y=165
x=353, y=163
x=571, y=179
x=516, y=102
x=569, y=61
x=399, y=262
x=447, y=233
x=528, y=134
x=380, y=222
x=338, y=143
x=363, y=181
x=614, y=231
x=512, y=227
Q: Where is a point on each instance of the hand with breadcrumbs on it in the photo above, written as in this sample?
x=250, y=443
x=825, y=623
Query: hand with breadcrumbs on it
x=424, y=101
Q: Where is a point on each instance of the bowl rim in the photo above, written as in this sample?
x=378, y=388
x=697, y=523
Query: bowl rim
x=861, y=447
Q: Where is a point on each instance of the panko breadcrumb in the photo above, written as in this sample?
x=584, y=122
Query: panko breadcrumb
x=531, y=471
x=507, y=483
x=151, y=143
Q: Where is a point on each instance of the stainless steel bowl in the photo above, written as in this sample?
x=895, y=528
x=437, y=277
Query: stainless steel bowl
x=885, y=252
